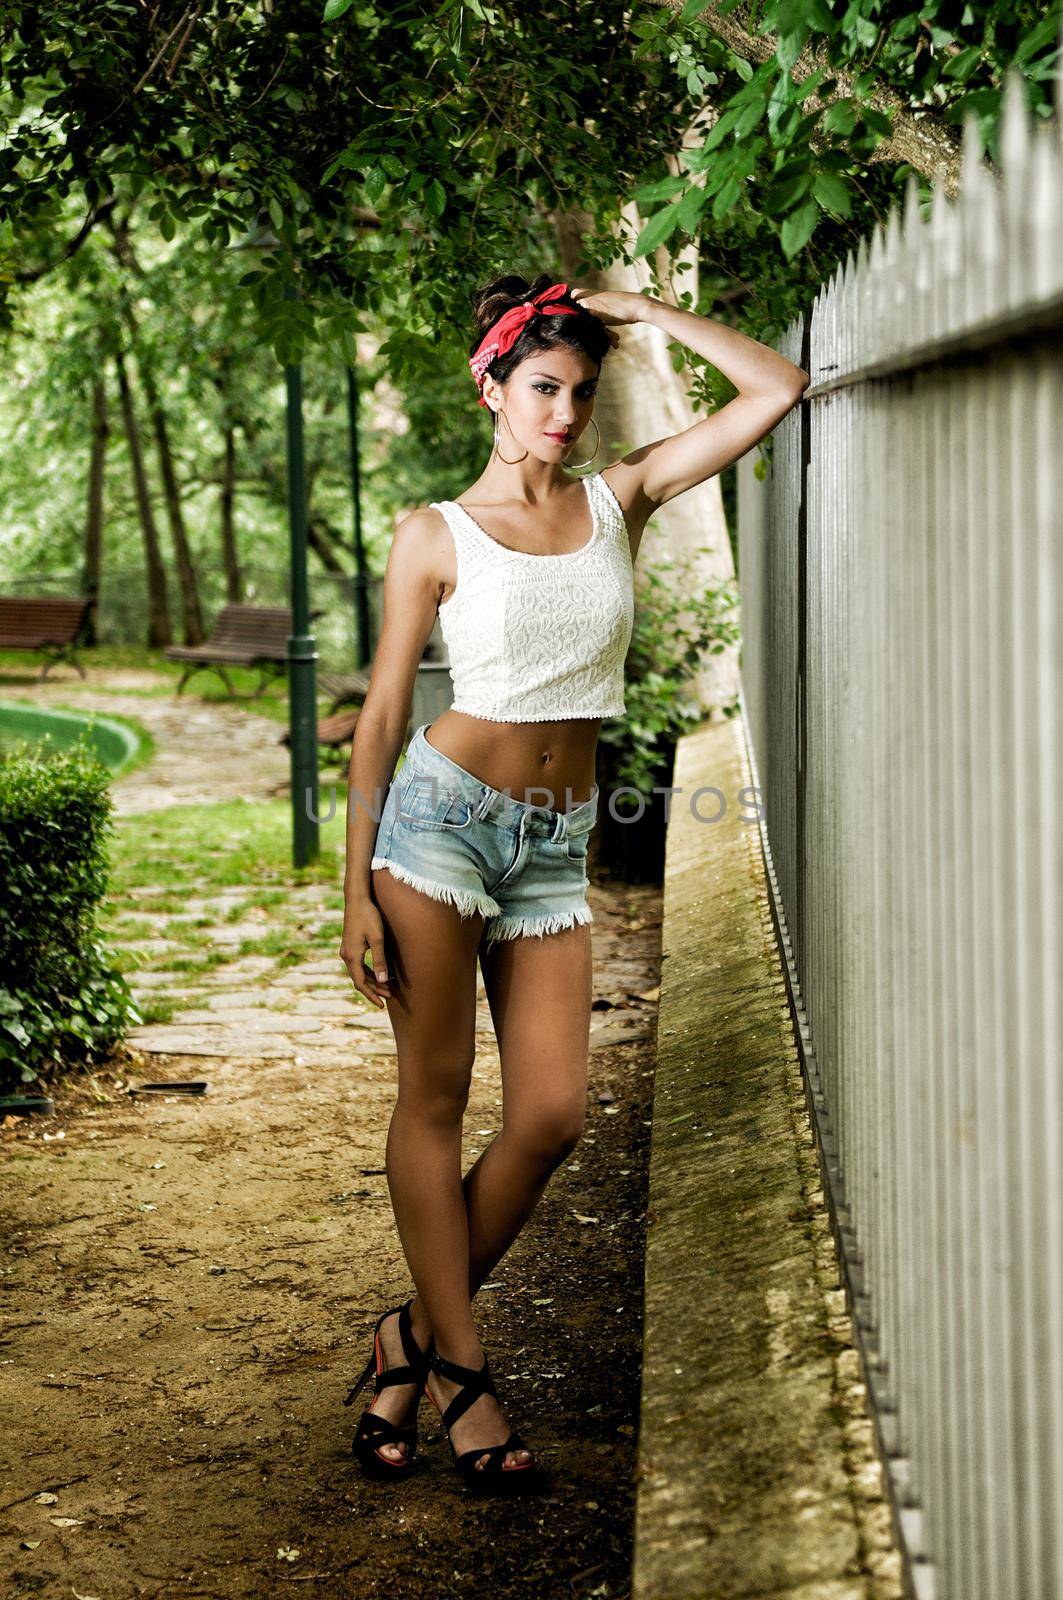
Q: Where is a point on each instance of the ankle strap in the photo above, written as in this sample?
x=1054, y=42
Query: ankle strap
x=473, y=1383
x=418, y=1359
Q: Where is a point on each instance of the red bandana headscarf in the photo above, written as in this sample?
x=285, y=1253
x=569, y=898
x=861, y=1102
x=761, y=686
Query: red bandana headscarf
x=503, y=334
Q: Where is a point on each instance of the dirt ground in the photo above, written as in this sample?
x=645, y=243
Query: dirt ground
x=189, y=1287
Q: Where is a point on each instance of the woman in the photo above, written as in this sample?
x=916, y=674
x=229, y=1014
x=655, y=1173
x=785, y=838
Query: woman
x=480, y=846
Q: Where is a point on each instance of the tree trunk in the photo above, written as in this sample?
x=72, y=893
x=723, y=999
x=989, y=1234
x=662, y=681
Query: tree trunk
x=158, y=611
x=641, y=398
x=320, y=536
x=93, y=552
x=228, y=524
x=191, y=614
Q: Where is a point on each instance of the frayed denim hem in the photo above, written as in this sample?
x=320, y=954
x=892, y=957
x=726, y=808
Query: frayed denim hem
x=519, y=927
x=467, y=901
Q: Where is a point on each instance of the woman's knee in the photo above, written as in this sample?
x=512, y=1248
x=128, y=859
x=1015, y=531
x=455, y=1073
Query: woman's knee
x=548, y=1132
x=436, y=1096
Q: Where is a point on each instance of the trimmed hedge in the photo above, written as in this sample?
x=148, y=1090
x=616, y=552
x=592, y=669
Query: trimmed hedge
x=60, y=998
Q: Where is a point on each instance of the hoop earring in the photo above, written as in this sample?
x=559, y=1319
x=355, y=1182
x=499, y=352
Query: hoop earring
x=498, y=452
x=594, y=452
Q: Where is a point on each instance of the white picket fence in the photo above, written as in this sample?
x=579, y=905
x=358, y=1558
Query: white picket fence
x=901, y=572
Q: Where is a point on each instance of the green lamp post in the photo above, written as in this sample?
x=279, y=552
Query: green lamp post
x=302, y=651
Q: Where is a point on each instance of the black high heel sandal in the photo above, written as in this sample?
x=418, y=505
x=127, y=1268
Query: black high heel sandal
x=373, y=1431
x=493, y=1477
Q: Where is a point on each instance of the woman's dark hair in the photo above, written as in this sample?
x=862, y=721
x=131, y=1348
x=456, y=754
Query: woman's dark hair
x=584, y=331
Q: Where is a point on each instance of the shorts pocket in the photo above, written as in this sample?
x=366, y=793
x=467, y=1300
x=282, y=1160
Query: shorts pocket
x=577, y=845
x=427, y=802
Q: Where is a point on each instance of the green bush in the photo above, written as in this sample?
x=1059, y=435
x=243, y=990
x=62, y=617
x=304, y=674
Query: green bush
x=676, y=624
x=60, y=998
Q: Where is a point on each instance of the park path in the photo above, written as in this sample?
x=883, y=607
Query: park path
x=190, y=1283
x=204, y=750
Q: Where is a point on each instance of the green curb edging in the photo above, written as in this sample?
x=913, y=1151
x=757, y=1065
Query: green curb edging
x=756, y=1475
x=118, y=743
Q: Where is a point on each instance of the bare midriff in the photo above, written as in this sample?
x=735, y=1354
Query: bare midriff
x=540, y=763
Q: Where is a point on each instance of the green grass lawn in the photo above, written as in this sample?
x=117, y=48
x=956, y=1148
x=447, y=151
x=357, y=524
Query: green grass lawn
x=186, y=853
x=231, y=842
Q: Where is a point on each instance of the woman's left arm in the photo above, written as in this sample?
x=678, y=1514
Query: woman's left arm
x=768, y=387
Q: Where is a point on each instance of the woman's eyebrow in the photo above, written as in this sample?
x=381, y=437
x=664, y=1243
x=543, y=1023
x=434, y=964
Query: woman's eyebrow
x=552, y=379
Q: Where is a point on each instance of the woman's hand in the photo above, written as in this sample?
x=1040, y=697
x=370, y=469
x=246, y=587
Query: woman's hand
x=613, y=306
x=363, y=930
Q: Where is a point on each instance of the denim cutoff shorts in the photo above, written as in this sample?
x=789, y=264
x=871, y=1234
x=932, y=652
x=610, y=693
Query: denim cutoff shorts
x=521, y=866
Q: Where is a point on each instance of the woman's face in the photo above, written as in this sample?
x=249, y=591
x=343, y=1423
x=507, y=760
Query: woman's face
x=548, y=400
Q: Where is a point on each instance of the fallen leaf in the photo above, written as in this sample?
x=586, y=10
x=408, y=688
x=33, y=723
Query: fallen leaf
x=46, y=1499
x=65, y=1522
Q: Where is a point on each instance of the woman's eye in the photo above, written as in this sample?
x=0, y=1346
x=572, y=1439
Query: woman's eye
x=548, y=388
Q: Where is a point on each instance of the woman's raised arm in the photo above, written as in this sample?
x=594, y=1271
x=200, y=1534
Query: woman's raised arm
x=768, y=387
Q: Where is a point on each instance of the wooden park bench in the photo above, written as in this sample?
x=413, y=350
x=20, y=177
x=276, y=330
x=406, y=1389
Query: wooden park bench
x=245, y=636
x=343, y=688
x=51, y=623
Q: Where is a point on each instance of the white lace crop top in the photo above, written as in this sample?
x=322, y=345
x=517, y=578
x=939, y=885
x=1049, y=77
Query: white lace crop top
x=532, y=637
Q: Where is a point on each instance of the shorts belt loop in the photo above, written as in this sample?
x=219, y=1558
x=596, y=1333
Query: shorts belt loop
x=560, y=828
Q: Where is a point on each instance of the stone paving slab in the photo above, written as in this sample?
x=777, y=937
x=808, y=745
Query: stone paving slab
x=756, y=1473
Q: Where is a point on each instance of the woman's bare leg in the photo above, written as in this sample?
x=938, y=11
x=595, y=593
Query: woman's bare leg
x=539, y=991
x=453, y=1232
x=431, y=953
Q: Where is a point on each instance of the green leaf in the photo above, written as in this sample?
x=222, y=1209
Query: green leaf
x=726, y=198
x=660, y=189
x=435, y=198
x=798, y=228
x=840, y=118
x=658, y=229
x=878, y=121
x=832, y=193
x=961, y=66
x=690, y=208
x=167, y=226
x=789, y=47
x=336, y=8
x=742, y=67
x=276, y=213
x=1045, y=33
x=692, y=9
x=721, y=127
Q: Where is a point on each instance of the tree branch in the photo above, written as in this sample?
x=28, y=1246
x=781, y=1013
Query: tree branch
x=930, y=146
